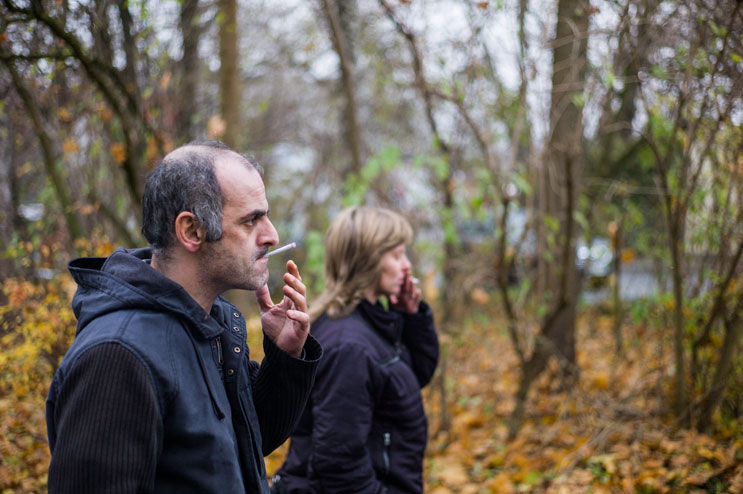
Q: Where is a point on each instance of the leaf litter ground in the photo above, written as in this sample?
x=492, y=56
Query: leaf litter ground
x=609, y=433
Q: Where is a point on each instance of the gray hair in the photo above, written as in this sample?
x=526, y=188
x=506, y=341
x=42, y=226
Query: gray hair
x=185, y=180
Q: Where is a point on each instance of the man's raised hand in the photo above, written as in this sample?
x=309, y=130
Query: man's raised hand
x=288, y=322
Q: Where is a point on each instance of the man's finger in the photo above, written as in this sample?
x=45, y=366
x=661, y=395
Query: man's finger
x=295, y=283
x=301, y=317
x=300, y=301
x=292, y=269
x=264, y=298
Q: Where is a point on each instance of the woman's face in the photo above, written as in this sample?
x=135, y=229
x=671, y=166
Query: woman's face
x=395, y=268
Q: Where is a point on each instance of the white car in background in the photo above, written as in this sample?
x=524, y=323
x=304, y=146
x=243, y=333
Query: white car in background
x=594, y=260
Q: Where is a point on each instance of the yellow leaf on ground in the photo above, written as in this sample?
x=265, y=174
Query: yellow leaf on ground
x=494, y=460
x=453, y=475
x=736, y=481
x=628, y=485
x=601, y=490
x=712, y=454
x=441, y=490
x=501, y=484
x=467, y=420
x=601, y=381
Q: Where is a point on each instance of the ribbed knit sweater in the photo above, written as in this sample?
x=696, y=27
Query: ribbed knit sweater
x=109, y=436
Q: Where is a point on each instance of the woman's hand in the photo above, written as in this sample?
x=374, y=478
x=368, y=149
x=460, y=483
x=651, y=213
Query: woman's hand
x=288, y=322
x=409, y=298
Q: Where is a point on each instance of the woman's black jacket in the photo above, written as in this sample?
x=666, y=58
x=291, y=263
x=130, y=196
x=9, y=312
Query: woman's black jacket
x=364, y=429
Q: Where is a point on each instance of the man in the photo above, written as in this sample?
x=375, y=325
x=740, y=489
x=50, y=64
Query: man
x=157, y=393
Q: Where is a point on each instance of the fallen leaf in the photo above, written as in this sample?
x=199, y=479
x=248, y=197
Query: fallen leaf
x=453, y=475
x=441, y=490
x=501, y=484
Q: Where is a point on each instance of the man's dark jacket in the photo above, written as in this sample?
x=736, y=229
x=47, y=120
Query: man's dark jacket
x=364, y=429
x=156, y=396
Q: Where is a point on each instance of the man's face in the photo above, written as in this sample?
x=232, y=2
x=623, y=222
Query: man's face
x=236, y=260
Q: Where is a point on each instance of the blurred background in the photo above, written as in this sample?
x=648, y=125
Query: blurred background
x=573, y=170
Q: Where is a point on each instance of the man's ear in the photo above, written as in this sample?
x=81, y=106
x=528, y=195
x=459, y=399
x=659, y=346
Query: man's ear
x=189, y=232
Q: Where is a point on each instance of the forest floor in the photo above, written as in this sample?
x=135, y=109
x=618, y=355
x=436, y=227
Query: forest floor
x=610, y=433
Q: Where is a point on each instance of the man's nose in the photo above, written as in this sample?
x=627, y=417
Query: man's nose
x=269, y=235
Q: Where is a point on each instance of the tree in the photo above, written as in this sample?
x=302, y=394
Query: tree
x=190, y=66
x=61, y=189
x=229, y=71
x=701, y=84
x=65, y=40
x=341, y=19
x=558, y=195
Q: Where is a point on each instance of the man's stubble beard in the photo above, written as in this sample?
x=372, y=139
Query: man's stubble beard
x=220, y=267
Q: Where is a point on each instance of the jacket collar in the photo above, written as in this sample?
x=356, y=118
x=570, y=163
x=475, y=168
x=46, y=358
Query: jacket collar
x=387, y=323
x=125, y=280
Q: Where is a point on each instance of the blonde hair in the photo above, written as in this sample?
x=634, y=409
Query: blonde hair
x=354, y=245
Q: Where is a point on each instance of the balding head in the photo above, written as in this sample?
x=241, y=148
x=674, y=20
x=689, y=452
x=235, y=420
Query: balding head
x=210, y=151
x=186, y=180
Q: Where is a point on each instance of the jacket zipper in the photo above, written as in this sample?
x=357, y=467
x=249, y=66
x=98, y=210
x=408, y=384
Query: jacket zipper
x=386, y=453
x=219, y=350
x=395, y=357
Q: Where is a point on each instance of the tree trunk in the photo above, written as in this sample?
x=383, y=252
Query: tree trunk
x=616, y=244
x=8, y=189
x=129, y=46
x=189, y=80
x=445, y=190
x=676, y=221
x=565, y=159
x=712, y=400
x=229, y=73
x=340, y=19
x=558, y=194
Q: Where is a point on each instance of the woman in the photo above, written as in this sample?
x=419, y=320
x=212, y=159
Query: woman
x=364, y=429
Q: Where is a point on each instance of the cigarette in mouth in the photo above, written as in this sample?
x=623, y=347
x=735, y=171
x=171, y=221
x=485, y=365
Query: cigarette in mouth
x=281, y=249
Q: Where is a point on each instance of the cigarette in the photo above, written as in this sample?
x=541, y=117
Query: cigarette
x=415, y=280
x=281, y=249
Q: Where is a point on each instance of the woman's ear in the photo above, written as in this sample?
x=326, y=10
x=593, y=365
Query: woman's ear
x=189, y=232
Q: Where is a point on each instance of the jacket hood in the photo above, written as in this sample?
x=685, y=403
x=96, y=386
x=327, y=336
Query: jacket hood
x=125, y=280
